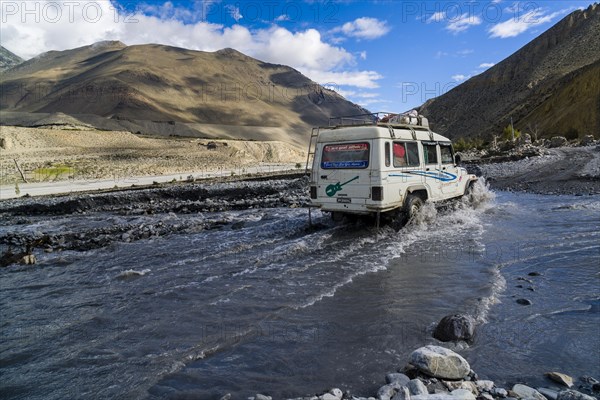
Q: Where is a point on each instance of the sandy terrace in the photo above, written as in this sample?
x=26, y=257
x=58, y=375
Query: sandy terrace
x=57, y=154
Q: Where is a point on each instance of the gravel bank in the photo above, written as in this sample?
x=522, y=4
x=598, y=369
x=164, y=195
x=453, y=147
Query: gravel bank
x=562, y=171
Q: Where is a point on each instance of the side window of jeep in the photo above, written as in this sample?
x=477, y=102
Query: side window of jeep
x=430, y=153
x=446, y=151
x=406, y=154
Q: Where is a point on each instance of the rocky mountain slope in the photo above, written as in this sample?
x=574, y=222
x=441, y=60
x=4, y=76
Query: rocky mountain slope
x=8, y=59
x=155, y=89
x=551, y=85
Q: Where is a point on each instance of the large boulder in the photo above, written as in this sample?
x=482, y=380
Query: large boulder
x=440, y=362
x=453, y=328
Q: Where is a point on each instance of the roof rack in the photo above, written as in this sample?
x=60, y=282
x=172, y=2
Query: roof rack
x=382, y=118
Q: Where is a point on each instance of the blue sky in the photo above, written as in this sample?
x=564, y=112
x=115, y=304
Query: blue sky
x=384, y=55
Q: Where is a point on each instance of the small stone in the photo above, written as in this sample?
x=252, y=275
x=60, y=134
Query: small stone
x=561, y=378
x=569, y=394
x=386, y=392
x=524, y=302
x=466, y=385
x=440, y=362
x=463, y=394
x=548, y=393
x=404, y=394
x=226, y=397
x=337, y=393
x=485, y=386
x=486, y=396
x=397, y=377
x=526, y=392
x=327, y=396
x=416, y=387
x=499, y=392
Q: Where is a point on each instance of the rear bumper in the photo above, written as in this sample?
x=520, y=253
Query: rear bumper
x=362, y=209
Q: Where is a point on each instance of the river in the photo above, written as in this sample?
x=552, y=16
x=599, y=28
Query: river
x=263, y=304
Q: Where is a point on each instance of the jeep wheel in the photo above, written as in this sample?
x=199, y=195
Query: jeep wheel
x=469, y=189
x=412, y=207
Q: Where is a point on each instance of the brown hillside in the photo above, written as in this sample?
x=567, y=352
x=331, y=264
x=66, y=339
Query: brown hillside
x=552, y=82
x=154, y=88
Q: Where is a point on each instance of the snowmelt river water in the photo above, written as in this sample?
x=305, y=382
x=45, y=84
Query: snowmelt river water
x=265, y=305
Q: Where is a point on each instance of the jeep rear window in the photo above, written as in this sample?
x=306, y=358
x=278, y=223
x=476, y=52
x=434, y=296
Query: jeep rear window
x=345, y=156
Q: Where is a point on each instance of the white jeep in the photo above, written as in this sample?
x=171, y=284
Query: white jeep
x=388, y=166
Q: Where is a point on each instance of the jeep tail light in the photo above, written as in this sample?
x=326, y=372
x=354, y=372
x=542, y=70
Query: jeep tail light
x=377, y=193
x=313, y=192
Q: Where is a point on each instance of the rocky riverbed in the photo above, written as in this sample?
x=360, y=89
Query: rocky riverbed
x=290, y=190
x=563, y=170
x=438, y=373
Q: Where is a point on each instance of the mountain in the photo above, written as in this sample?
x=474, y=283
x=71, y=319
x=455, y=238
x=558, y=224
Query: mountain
x=8, y=59
x=157, y=89
x=551, y=85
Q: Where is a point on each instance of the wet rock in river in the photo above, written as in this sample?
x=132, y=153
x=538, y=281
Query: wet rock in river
x=454, y=328
x=569, y=394
x=416, y=387
x=398, y=378
x=440, y=362
x=500, y=392
x=463, y=394
x=548, y=393
x=526, y=392
x=524, y=302
x=387, y=392
x=561, y=378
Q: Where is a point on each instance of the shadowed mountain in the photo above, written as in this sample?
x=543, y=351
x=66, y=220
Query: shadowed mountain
x=8, y=59
x=551, y=85
x=164, y=90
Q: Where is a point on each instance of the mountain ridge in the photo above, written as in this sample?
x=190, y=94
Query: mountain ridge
x=8, y=59
x=527, y=84
x=205, y=91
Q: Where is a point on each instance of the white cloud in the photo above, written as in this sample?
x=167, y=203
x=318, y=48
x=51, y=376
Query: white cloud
x=304, y=50
x=363, y=55
x=462, y=23
x=436, y=17
x=486, y=65
x=520, y=24
x=282, y=17
x=460, y=77
x=361, y=79
x=363, y=28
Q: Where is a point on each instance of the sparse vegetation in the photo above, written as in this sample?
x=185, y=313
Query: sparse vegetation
x=507, y=133
x=464, y=144
x=53, y=172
